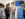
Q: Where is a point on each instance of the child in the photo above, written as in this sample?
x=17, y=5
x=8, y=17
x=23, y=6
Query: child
x=20, y=11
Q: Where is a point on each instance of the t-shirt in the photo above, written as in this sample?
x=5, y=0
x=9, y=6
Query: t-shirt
x=13, y=8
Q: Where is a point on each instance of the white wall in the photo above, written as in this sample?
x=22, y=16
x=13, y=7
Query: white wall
x=6, y=1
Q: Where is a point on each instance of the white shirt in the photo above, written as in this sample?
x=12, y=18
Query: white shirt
x=13, y=8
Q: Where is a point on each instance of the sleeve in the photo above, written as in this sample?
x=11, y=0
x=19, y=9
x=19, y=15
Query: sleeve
x=3, y=12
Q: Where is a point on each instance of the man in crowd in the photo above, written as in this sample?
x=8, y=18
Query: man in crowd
x=7, y=10
x=1, y=11
x=3, y=8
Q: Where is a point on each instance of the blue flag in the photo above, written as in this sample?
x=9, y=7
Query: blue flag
x=17, y=3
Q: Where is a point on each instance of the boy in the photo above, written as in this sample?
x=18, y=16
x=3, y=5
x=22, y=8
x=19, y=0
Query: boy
x=7, y=10
x=13, y=10
x=20, y=11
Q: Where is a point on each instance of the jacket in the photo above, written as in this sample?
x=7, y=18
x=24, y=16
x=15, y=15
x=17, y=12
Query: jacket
x=20, y=13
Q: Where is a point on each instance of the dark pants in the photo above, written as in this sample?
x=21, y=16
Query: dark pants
x=7, y=15
x=24, y=14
